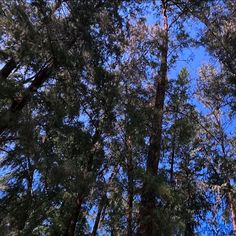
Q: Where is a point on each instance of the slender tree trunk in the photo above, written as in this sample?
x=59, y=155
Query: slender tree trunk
x=102, y=206
x=75, y=214
x=147, y=221
x=95, y=227
x=10, y=116
x=189, y=223
x=7, y=69
x=74, y=217
x=26, y=211
x=173, y=144
x=99, y=214
x=130, y=213
x=233, y=211
x=130, y=186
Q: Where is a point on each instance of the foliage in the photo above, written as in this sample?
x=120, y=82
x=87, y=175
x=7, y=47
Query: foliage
x=85, y=88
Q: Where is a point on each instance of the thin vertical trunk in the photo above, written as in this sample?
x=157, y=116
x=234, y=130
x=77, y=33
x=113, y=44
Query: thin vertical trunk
x=147, y=221
x=95, y=227
x=80, y=198
x=173, y=144
x=99, y=214
x=102, y=206
x=233, y=211
x=156, y=130
x=130, y=187
x=70, y=231
x=27, y=209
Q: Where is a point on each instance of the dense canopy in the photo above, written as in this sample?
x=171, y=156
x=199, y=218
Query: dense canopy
x=118, y=117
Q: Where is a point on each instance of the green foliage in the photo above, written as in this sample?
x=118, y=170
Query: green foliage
x=78, y=85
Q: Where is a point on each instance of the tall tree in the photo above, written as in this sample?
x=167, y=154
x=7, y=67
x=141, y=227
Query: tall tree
x=147, y=209
x=220, y=145
x=99, y=131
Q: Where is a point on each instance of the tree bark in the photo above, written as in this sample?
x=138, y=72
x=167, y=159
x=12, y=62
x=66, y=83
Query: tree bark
x=74, y=217
x=70, y=231
x=10, y=116
x=130, y=186
x=7, y=69
x=173, y=144
x=39, y=79
x=147, y=221
x=27, y=209
x=233, y=211
x=95, y=227
x=99, y=214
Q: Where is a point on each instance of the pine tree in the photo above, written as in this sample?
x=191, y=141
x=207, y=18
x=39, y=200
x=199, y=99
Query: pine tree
x=97, y=137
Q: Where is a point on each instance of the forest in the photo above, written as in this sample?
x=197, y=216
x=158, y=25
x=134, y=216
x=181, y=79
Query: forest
x=117, y=117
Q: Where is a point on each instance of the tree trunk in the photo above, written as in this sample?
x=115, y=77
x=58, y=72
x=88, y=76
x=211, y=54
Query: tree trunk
x=233, y=211
x=95, y=227
x=173, y=144
x=27, y=209
x=10, y=116
x=147, y=220
x=130, y=187
x=70, y=231
x=99, y=214
x=7, y=69
x=74, y=217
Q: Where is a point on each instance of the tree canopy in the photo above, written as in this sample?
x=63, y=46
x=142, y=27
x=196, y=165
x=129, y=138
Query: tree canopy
x=104, y=130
